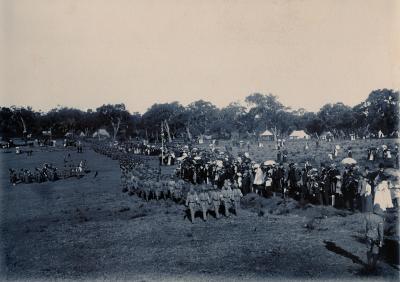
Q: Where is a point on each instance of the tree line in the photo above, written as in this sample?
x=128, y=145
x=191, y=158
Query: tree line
x=379, y=112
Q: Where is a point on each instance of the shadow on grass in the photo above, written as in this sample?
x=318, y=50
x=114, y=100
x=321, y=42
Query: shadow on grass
x=331, y=246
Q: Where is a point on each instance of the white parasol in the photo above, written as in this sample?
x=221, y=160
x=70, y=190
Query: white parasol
x=270, y=162
x=349, y=161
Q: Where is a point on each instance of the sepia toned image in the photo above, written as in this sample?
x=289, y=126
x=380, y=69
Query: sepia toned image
x=171, y=140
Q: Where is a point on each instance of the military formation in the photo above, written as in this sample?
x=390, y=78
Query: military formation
x=48, y=172
x=212, y=199
x=139, y=178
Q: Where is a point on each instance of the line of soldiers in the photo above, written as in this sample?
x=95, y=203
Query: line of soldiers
x=213, y=199
x=47, y=172
x=40, y=174
x=138, y=178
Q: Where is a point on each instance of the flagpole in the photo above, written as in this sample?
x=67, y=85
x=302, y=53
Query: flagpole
x=162, y=143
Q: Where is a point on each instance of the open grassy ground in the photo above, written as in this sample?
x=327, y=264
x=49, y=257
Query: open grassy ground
x=88, y=229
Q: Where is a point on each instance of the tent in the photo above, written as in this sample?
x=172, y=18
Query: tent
x=82, y=134
x=267, y=135
x=101, y=133
x=380, y=134
x=299, y=134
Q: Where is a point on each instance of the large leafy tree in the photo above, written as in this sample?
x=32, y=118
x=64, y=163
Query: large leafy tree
x=201, y=115
x=115, y=115
x=336, y=117
x=171, y=115
x=380, y=111
x=265, y=112
x=230, y=119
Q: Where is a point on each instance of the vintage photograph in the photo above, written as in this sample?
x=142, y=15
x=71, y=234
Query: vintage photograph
x=214, y=140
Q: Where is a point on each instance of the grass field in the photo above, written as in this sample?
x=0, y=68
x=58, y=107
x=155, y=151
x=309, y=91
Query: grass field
x=316, y=156
x=88, y=229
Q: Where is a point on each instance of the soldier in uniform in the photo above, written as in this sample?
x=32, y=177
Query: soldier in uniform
x=216, y=197
x=157, y=186
x=191, y=202
x=204, y=201
x=226, y=196
x=136, y=183
x=374, y=235
x=124, y=177
x=146, y=190
x=176, y=190
x=236, y=196
x=171, y=186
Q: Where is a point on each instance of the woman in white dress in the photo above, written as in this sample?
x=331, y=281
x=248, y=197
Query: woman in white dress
x=382, y=194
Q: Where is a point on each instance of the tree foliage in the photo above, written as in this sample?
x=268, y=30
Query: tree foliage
x=380, y=111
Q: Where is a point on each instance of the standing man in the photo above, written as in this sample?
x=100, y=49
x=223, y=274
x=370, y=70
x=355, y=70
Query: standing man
x=374, y=235
x=292, y=180
x=191, y=202
x=236, y=196
x=204, y=201
x=349, y=188
x=279, y=156
x=216, y=197
x=365, y=191
x=246, y=182
x=226, y=196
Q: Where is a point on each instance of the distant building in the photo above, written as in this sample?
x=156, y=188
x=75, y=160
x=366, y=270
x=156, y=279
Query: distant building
x=299, y=134
x=267, y=135
x=101, y=133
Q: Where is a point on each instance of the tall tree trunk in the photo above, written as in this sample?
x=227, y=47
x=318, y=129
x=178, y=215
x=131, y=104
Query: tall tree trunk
x=115, y=126
x=167, y=129
x=23, y=125
x=189, y=135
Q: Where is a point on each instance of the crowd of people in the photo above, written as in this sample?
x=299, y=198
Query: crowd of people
x=347, y=185
x=210, y=180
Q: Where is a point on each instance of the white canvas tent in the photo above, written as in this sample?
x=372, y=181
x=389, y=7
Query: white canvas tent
x=101, y=133
x=299, y=134
x=380, y=134
x=82, y=134
x=267, y=135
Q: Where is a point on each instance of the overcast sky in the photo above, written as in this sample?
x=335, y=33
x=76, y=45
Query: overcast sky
x=85, y=53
